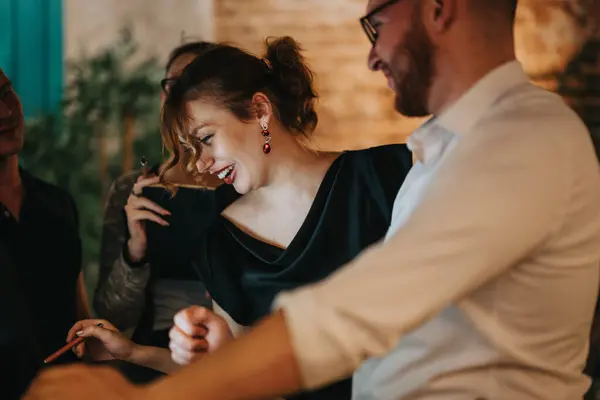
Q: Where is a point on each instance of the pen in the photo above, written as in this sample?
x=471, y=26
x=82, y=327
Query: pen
x=144, y=166
x=66, y=348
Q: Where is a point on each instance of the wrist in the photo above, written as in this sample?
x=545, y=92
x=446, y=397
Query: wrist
x=136, y=355
x=133, y=258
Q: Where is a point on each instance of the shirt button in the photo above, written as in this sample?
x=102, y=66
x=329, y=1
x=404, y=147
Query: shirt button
x=7, y=213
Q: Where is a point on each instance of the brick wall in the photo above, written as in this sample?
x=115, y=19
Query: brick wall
x=549, y=33
x=355, y=106
x=559, y=45
x=156, y=24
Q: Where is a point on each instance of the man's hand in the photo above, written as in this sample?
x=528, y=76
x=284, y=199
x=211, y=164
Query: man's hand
x=197, y=331
x=82, y=382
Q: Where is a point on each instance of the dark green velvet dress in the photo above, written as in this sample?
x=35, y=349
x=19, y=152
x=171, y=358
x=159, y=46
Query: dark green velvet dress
x=352, y=210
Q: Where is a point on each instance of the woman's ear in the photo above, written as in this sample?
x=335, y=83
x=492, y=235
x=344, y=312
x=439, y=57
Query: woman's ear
x=262, y=107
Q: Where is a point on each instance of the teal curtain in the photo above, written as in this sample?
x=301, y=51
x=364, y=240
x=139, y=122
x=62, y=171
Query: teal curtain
x=31, y=51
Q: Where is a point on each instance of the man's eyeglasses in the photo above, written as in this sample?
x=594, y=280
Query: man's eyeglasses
x=366, y=24
x=165, y=84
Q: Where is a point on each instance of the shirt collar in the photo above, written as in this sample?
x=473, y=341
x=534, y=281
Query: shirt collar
x=35, y=195
x=468, y=110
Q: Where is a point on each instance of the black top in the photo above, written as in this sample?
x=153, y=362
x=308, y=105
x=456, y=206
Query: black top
x=121, y=296
x=40, y=263
x=192, y=210
x=352, y=210
x=170, y=253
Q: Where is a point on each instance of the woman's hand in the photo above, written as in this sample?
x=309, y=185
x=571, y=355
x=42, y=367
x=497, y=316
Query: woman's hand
x=103, y=343
x=138, y=210
x=197, y=331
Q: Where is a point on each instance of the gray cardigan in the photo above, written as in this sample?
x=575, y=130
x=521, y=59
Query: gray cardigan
x=120, y=294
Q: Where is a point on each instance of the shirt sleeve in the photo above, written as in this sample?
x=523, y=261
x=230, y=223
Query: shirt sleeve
x=491, y=202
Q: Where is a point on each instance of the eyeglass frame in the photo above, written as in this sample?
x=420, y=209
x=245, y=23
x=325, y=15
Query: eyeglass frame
x=371, y=32
x=165, y=82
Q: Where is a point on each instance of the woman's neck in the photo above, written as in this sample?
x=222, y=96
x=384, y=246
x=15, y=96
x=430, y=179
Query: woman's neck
x=299, y=170
x=275, y=212
x=9, y=172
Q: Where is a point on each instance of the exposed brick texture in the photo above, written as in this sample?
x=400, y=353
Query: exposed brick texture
x=559, y=44
x=355, y=106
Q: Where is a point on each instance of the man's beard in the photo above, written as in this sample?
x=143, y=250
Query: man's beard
x=412, y=87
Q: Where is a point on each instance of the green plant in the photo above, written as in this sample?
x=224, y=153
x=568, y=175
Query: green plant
x=108, y=118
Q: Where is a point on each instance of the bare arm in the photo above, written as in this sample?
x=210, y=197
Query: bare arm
x=274, y=371
x=112, y=344
x=81, y=299
x=155, y=358
x=82, y=305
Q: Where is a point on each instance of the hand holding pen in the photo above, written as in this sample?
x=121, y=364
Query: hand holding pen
x=106, y=343
x=101, y=341
x=73, y=341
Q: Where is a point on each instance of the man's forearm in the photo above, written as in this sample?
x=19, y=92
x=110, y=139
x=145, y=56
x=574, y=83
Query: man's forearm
x=261, y=364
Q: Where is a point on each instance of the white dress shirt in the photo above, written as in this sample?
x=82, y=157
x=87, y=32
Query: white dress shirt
x=485, y=286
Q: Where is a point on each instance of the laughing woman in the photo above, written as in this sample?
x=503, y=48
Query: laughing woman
x=303, y=213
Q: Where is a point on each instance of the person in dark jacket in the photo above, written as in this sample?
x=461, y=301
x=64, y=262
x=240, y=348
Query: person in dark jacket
x=41, y=283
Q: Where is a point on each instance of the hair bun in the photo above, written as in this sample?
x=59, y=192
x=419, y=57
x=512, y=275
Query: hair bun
x=293, y=80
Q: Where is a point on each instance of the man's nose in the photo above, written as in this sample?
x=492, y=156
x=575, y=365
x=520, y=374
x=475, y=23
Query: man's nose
x=373, y=60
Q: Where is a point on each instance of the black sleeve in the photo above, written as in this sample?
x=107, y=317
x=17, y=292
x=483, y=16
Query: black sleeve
x=114, y=225
x=384, y=169
x=193, y=211
x=62, y=201
x=120, y=294
x=19, y=349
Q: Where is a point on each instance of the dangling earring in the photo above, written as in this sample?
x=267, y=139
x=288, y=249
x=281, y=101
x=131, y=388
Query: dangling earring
x=267, y=135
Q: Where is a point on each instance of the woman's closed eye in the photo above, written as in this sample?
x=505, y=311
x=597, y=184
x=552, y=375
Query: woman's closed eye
x=206, y=139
